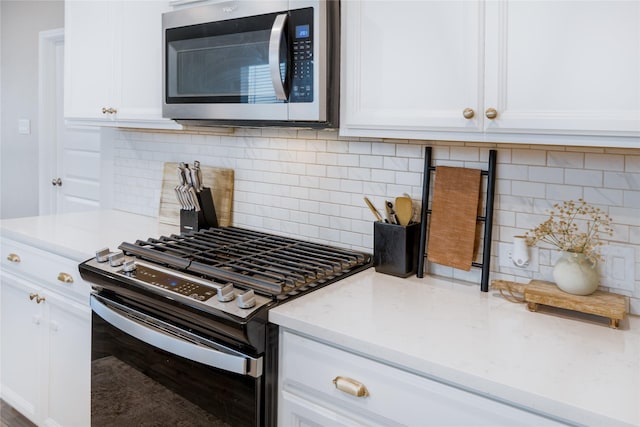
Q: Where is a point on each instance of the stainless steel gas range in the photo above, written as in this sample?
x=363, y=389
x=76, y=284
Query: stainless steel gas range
x=180, y=331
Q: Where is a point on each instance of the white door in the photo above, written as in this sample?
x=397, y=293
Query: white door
x=69, y=156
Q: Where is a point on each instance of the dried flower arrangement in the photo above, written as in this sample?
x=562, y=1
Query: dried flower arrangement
x=573, y=227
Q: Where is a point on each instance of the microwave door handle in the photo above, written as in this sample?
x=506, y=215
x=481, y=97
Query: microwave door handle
x=274, y=55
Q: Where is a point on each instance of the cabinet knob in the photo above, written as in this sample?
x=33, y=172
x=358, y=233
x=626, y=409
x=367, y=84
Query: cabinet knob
x=37, y=297
x=13, y=258
x=109, y=110
x=65, y=277
x=491, y=113
x=56, y=182
x=350, y=386
x=468, y=113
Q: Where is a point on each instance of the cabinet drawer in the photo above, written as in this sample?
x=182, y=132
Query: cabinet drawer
x=48, y=270
x=394, y=396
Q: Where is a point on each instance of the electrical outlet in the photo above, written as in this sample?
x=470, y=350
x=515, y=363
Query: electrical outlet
x=505, y=259
x=618, y=269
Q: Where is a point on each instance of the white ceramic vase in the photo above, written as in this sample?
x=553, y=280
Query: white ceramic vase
x=576, y=274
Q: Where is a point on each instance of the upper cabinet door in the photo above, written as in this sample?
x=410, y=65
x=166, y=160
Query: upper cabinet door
x=89, y=68
x=140, y=45
x=411, y=65
x=563, y=67
x=113, y=63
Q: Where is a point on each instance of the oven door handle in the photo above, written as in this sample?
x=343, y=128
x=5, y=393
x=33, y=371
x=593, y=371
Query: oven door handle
x=274, y=55
x=157, y=334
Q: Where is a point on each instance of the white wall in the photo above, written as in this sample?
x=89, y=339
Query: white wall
x=22, y=20
x=311, y=184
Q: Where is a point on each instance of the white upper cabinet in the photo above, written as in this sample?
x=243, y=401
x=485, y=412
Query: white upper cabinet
x=553, y=72
x=411, y=65
x=113, y=63
x=563, y=66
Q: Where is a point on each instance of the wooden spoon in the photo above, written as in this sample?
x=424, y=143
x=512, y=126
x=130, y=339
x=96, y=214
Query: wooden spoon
x=404, y=210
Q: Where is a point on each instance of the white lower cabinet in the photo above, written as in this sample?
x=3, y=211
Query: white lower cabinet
x=318, y=386
x=45, y=328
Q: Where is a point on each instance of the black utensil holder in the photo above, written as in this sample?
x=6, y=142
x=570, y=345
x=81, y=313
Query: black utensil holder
x=395, y=248
x=193, y=220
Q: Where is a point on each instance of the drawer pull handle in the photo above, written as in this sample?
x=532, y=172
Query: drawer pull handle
x=351, y=386
x=65, y=277
x=13, y=258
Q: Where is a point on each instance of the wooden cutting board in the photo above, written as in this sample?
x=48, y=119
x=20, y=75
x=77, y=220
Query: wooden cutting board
x=220, y=181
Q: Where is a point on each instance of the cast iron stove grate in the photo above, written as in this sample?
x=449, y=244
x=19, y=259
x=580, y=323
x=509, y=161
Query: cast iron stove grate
x=269, y=264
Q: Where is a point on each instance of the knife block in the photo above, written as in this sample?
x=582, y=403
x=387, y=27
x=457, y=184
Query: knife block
x=193, y=220
x=395, y=248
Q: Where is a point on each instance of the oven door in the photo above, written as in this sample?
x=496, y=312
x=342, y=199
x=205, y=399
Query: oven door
x=148, y=372
x=221, y=65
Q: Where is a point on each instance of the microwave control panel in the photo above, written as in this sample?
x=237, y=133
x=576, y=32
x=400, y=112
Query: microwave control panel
x=301, y=34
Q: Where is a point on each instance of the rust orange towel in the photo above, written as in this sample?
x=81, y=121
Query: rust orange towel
x=454, y=212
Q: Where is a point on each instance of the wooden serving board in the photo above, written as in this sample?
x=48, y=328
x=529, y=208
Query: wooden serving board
x=220, y=181
x=537, y=292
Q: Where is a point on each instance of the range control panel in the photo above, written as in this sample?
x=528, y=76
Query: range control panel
x=173, y=283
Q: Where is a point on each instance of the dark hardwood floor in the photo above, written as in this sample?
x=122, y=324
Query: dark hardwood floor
x=9, y=417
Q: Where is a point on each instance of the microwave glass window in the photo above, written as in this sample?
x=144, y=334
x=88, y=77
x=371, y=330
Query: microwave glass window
x=223, y=67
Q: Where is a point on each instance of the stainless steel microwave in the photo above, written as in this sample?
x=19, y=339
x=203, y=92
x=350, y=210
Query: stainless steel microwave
x=253, y=63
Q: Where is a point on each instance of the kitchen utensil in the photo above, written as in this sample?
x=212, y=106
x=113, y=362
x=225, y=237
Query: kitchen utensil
x=194, y=198
x=404, y=210
x=391, y=214
x=197, y=176
x=373, y=209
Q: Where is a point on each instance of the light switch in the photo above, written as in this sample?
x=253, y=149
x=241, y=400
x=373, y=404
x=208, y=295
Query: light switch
x=24, y=126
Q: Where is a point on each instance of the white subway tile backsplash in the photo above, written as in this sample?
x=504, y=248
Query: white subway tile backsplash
x=607, y=162
x=396, y=163
x=528, y=157
x=603, y=196
x=632, y=163
x=528, y=189
x=627, y=181
x=383, y=149
x=565, y=159
x=546, y=174
x=310, y=184
x=632, y=199
x=583, y=177
x=564, y=192
x=471, y=154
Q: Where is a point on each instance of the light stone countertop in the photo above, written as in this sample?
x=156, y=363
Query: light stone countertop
x=78, y=235
x=573, y=369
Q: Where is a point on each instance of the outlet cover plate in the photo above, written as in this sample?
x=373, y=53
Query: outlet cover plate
x=618, y=269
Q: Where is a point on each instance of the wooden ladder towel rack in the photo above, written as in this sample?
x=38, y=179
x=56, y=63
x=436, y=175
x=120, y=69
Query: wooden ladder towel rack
x=486, y=219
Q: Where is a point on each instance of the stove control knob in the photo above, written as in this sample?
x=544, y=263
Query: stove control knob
x=129, y=266
x=102, y=255
x=247, y=300
x=116, y=259
x=226, y=293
